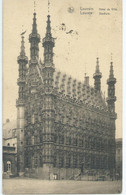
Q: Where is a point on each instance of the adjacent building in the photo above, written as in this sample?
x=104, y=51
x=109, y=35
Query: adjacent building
x=119, y=158
x=9, y=149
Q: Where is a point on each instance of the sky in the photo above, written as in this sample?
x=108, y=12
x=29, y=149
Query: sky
x=95, y=35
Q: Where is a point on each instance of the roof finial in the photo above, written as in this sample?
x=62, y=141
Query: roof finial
x=85, y=70
x=97, y=53
x=111, y=66
x=22, y=28
x=48, y=6
x=111, y=56
x=34, y=6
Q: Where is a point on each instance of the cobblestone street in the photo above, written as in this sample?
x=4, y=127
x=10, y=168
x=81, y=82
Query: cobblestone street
x=36, y=186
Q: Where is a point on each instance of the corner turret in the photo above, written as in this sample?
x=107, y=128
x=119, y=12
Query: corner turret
x=20, y=104
x=113, y=116
x=48, y=100
x=111, y=91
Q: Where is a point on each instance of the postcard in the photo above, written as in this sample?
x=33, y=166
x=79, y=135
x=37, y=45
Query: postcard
x=62, y=97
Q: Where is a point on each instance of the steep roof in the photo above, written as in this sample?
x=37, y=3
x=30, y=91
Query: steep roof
x=75, y=89
x=67, y=86
x=8, y=128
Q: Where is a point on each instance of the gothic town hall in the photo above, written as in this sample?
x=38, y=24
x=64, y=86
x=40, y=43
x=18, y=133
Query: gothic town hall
x=65, y=128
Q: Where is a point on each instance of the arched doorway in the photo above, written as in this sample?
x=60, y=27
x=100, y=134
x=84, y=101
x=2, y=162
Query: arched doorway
x=8, y=166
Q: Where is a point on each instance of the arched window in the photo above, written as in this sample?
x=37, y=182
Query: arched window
x=40, y=158
x=33, y=140
x=8, y=166
x=33, y=119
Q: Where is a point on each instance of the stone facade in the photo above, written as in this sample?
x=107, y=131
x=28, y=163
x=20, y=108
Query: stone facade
x=65, y=128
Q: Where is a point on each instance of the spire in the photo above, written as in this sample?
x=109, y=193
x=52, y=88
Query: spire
x=48, y=43
x=34, y=33
x=22, y=55
x=34, y=26
x=97, y=76
x=111, y=75
x=48, y=67
x=48, y=28
x=111, y=91
x=22, y=52
x=97, y=71
x=34, y=39
x=97, y=66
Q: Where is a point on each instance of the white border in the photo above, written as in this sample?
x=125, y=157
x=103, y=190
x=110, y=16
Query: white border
x=1, y=96
x=124, y=96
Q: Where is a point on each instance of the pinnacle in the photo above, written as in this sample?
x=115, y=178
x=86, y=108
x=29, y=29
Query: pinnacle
x=111, y=71
x=97, y=72
x=22, y=52
x=34, y=29
x=48, y=28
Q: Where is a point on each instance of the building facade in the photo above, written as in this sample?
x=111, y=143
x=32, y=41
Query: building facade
x=65, y=128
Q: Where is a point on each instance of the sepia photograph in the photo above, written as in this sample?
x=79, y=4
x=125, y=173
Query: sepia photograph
x=62, y=97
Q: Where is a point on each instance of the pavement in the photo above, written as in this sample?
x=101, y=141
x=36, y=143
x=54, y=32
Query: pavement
x=37, y=186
